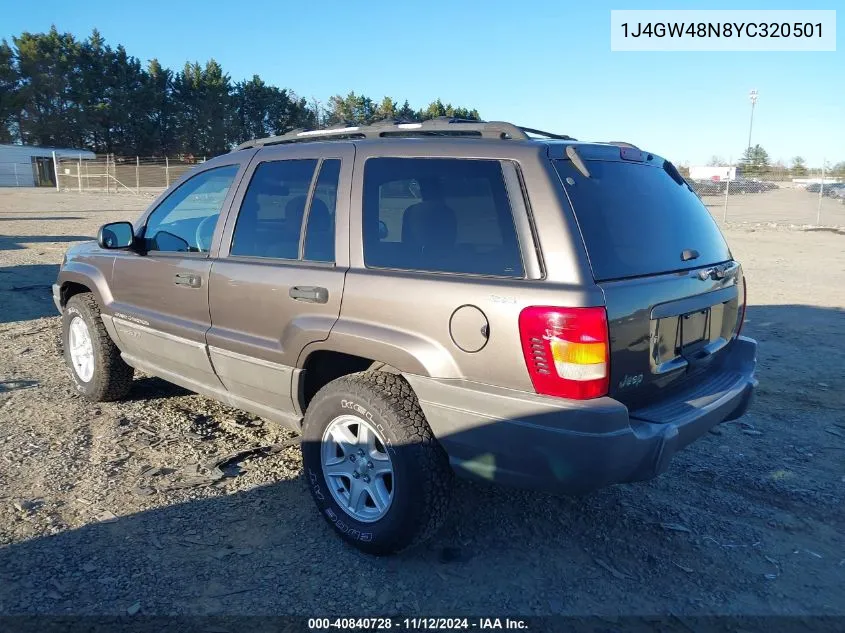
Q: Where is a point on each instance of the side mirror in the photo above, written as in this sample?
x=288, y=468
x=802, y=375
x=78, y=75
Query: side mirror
x=116, y=235
x=382, y=230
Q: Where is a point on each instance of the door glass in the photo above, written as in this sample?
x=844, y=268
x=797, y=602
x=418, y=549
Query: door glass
x=185, y=221
x=270, y=220
x=443, y=215
x=319, y=235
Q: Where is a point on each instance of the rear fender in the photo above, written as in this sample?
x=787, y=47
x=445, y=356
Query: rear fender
x=407, y=352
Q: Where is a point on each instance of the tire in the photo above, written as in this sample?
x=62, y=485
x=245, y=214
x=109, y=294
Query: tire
x=110, y=377
x=421, y=479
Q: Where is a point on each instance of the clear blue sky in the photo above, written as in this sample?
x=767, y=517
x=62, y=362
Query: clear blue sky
x=543, y=64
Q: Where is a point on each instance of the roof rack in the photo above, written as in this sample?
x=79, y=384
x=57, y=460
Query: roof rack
x=440, y=126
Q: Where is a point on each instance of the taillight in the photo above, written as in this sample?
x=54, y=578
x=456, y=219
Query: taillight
x=742, y=307
x=566, y=350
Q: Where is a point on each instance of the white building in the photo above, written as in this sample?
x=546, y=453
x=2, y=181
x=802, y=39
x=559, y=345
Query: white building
x=30, y=166
x=708, y=172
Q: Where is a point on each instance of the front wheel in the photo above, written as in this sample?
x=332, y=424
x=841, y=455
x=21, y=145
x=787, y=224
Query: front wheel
x=374, y=468
x=98, y=372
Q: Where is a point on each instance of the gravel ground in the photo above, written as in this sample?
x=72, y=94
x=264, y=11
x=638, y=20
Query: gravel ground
x=111, y=508
x=786, y=205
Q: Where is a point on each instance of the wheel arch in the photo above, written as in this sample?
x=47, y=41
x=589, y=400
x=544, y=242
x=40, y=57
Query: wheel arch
x=78, y=277
x=320, y=366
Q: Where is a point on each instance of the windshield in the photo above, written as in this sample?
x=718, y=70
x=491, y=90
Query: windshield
x=637, y=220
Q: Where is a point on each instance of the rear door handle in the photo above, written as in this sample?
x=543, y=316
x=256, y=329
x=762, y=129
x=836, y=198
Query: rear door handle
x=187, y=279
x=309, y=294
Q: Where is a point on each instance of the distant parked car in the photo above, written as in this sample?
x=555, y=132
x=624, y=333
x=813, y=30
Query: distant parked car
x=814, y=187
x=831, y=189
x=707, y=187
x=745, y=185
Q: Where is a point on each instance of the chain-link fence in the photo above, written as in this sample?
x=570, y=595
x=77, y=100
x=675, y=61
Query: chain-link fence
x=122, y=174
x=773, y=195
x=733, y=193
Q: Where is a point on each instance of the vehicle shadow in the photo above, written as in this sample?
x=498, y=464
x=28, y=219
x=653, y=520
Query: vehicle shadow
x=26, y=292
x=686, y=539
x=147, y=388
x=18, y=242
x=19, y=218
x=254, y=552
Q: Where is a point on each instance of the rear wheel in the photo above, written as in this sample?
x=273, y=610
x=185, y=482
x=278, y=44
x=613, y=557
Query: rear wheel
x=98, y=372
x=375, y=471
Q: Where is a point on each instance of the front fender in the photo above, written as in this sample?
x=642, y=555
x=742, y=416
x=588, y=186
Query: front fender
x=89, y=275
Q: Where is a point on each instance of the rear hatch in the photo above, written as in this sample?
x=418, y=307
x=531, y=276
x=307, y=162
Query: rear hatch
x=674, y=295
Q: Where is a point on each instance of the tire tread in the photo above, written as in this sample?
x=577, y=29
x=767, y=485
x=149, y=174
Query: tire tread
x=394, y=399
x=116, y=379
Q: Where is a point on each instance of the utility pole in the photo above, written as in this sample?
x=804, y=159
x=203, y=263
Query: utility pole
x=753, y=96
x=821, y=193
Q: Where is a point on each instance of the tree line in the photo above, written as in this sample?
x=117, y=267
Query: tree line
x=56, y=90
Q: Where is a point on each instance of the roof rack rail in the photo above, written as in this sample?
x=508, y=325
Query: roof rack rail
x=440, y=126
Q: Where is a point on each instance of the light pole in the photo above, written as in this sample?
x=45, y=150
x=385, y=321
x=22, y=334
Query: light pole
x=753, y=96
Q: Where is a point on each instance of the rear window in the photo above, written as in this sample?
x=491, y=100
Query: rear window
x=637, y=220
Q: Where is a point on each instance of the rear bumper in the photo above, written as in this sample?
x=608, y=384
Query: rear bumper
x=517, y=438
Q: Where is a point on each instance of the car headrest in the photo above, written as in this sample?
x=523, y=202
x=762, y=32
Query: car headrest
x=429, y=225
x=295, y=209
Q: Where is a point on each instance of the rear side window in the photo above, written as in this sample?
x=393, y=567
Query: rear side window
x=439, y=215
x=637, y=220
x=270, y=219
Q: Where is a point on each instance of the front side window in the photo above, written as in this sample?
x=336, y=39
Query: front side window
x=439, y=215
x=185, y=221
x=270, y=220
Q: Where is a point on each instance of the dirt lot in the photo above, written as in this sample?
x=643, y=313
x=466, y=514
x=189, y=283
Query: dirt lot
x=102, y=508
x=783, y=206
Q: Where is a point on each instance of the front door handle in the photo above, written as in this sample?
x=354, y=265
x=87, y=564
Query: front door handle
x=309, y=294
x=187, y=279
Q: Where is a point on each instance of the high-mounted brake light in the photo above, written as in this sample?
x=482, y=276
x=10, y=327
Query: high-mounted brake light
x=742, y=307
x=566, y=350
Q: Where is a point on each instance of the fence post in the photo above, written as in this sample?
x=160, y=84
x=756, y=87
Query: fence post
x=138, y=175
x=56, y=170
x=87, y=177
x=79, y=173
x=727, y=191
x=167, y=170
x=108, y=184
x=821, y=189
